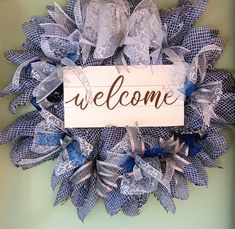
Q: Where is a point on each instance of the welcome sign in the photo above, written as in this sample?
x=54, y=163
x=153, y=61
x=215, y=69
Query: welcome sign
x=98, y=96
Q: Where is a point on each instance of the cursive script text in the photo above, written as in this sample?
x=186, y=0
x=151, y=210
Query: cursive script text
x=118, y=97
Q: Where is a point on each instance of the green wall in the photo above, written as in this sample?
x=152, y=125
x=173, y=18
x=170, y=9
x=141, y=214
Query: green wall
x=26, y=199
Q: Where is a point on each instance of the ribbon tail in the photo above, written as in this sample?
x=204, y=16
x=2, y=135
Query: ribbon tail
x=82, y=174
x=81, y=76
x=153, y=172
x=31, y=162
x=16, y=77
x=102, y=189
x=46, y=87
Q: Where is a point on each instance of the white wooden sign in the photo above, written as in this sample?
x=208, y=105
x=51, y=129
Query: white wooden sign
x=98, y=96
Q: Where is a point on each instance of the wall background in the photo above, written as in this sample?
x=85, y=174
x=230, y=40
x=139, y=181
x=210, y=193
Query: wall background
x=26, y=199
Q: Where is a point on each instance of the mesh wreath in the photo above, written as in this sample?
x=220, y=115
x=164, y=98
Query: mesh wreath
x=94, y=163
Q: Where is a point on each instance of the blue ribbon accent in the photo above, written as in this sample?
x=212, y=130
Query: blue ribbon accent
x=53, y=139
x=189, y=87
x=75, y=156
x=155, y=152
x=73, y=56
x=35, y=104
x=28, y=70
x=193, y=142
x=49, y=139
x=128, y=165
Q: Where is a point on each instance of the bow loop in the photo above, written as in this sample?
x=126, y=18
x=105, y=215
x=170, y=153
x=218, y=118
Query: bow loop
x=114, y=19
x=147, y=170
x=145, y=31
x=204, y=97
x=50, y=140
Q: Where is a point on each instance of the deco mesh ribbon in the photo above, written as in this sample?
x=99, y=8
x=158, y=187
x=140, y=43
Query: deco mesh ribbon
x=123, y=166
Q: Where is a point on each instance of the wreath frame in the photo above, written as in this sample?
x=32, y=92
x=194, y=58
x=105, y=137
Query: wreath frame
x=22, y=132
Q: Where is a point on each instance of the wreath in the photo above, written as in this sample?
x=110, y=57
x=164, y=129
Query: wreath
x=123, y=166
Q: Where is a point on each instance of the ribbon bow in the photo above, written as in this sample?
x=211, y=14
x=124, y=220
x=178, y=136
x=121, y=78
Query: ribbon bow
x=205, y=96
x=145, y=32
x=107, y=26
x=147, y=171
x=103, y=26
x=107, y=171
x=49, y=141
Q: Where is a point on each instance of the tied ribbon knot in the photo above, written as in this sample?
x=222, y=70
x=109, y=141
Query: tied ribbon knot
x=49, y=141
x=147, y=172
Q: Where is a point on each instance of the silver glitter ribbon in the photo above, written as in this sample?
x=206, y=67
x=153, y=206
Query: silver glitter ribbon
x=106, y=174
